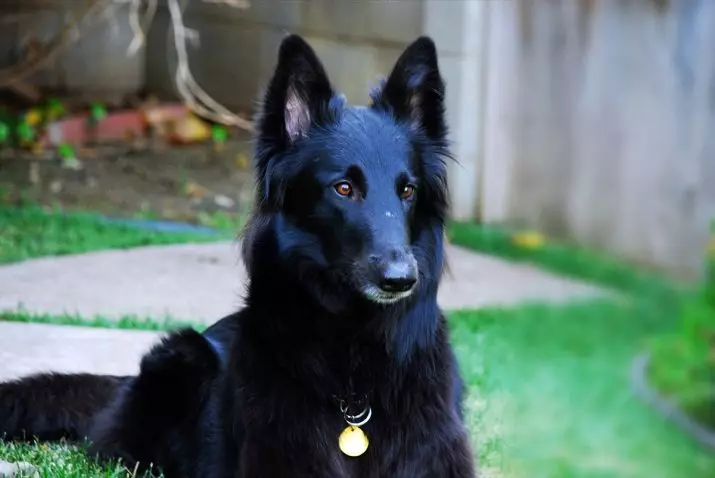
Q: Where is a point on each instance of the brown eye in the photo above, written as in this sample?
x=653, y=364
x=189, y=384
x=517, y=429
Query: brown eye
x=344, y=189
x=408, y=192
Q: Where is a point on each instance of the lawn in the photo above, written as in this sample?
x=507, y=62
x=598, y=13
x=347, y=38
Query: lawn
x=34, y=231
x=549, y=394
x=56, y=460
x=548, y=385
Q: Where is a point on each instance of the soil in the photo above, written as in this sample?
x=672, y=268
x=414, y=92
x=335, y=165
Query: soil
x=192, y=183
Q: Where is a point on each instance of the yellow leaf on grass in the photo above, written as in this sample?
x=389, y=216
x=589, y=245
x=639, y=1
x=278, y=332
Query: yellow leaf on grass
x=529, y=239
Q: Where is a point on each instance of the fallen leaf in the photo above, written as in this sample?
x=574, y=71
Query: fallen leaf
x=529, y=240
x=33, y=117
x=189, y=129
x=224, y=201
x=241, y=161
x=194, y=190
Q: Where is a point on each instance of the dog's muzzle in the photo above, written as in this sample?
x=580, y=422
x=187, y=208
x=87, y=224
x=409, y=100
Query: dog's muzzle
x=394, y=276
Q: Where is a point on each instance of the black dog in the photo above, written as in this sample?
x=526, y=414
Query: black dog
x=341, y=330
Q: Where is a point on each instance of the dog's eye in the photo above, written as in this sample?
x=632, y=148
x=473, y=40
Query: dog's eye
x=344, y=189
x=408, y=192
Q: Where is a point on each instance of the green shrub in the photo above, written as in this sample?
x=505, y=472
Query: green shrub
x=710, y=267
x=683, y=364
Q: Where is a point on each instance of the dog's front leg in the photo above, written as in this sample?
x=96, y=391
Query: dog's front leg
x=454, y=460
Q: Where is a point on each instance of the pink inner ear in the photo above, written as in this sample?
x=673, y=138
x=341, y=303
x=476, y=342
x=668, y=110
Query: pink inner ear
x=297, y=115
x=416, y=110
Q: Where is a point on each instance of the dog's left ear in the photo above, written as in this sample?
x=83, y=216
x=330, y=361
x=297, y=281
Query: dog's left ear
x=414, y=91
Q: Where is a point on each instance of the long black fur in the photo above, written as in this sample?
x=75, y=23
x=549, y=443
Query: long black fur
x=257, y=395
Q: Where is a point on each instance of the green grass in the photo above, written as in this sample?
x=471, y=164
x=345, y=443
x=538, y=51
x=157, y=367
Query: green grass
x=57, y=460
x=549, y=394
x=682, y=344
x=129, y=322
x=683, y=360
x=32, y=231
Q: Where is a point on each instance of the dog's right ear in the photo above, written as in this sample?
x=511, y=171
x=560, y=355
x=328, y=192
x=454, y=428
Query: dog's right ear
x=297, y=96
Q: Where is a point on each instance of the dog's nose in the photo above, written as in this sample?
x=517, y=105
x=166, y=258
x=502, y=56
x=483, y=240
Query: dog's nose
x=399, y=276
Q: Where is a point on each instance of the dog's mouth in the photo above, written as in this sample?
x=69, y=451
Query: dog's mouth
x=380, y=296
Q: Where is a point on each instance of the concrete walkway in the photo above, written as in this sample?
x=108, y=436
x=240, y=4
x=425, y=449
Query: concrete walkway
x=192, y=283
x=30, y=348
x=203, y=282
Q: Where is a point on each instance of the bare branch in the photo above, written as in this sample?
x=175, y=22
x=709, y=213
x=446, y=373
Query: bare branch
x=97, y=11
x=189, y=90
x=89, y=16
x=241, y=4
x=140, y=27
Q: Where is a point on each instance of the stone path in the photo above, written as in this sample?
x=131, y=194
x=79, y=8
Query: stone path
x=203, y=282
x=194, y=282
x=29, y=348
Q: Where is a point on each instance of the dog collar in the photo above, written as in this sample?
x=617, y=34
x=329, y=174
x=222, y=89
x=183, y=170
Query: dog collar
x=352, y=440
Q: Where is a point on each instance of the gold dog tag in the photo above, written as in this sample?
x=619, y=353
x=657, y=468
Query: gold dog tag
x=353, y=441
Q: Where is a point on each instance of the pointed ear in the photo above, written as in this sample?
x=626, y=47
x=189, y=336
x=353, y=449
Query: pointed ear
x=414, y=91
x=297, y=96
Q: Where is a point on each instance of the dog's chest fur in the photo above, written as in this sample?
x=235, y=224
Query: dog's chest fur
x=288, y=393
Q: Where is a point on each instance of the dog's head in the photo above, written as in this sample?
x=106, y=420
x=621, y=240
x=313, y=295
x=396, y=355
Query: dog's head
x=356, y=196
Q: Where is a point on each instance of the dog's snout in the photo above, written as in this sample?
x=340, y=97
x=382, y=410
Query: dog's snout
x=398, y=272
x=398, y=278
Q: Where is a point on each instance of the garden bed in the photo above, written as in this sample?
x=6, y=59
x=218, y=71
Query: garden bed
x=677, y=376
x=148, y=160
x=670, y=409
x=190, y=183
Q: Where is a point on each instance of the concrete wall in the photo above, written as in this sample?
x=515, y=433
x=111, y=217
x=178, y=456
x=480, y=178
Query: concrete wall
x=96, y=64
x=601, y=124
x=356, y=40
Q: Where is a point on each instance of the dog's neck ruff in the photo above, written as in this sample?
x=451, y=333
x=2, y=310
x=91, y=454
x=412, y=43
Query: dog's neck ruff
x=218, y=349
